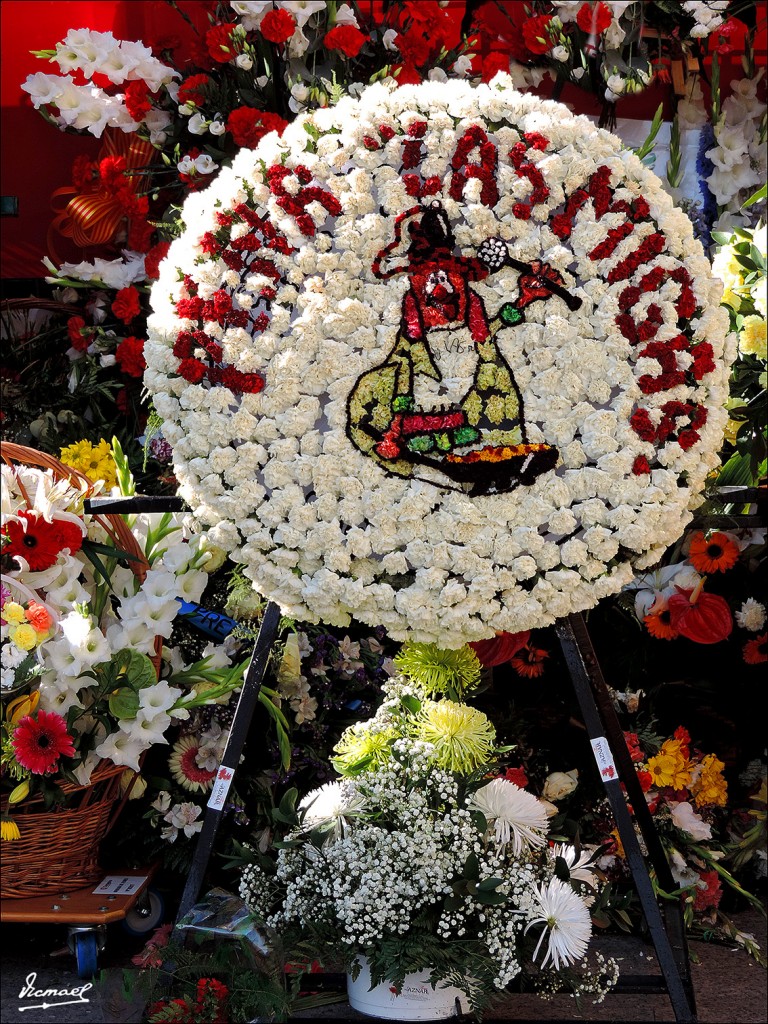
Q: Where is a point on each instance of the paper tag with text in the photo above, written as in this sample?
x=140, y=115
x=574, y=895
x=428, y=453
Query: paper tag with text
x=604, y=759
x=221, y=786
x=120, y=885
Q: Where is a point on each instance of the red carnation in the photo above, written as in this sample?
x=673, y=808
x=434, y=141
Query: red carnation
x=516, y=776
x=220, y=41
x=126, y=304
x=130, y=356
x=249, y=126
x=594, y=18
x=536, y=34
x=39, y=742
x=39, y=542
x=137, y=99
x=154, y=258
x=277, y=26
x=495, y=62
x=192, y=90
x=346, y=38
x=75, y=328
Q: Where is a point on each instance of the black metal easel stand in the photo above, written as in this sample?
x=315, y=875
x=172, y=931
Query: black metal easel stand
x=667, y=931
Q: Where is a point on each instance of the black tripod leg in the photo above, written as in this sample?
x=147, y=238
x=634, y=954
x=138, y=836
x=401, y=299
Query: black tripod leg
x=615, y=766
x=246, y=705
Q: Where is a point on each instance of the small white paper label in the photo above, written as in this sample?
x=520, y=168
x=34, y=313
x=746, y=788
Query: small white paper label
x=120, y=885
x=604, y=759
x=221, y=786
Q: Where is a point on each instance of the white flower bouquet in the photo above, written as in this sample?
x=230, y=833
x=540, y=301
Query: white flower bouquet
x=88, y=601
x=423, y=857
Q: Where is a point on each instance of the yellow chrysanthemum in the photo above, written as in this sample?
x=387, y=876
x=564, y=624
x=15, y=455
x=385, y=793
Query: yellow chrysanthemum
x=440, y=672
x=24, y=636
x=753, y=340
x=9, y=830
x=95, y=461
x=710, y=788
x=13, y=613
x=463, y=737
x=360, y=748
x=669, y=767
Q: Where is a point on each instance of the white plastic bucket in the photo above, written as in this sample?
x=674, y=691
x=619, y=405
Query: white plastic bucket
x=417, y=1000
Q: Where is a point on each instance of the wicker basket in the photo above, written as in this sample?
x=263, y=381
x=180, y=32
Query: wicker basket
x=58, y=848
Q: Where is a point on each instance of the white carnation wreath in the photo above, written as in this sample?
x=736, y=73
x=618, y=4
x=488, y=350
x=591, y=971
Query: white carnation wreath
x=444, y=358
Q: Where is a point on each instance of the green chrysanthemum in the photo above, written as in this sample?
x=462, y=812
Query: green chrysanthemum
x=454, y=673
x=462, y=736
x=360, y=749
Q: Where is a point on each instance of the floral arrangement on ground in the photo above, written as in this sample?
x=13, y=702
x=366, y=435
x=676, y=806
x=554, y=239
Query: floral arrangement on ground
x=425, y=857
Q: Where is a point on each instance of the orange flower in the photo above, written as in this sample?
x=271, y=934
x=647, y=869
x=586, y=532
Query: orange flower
x=756, y=651
x=658, y=622
x=38, y=616
x=529, y=662
x=713, y=554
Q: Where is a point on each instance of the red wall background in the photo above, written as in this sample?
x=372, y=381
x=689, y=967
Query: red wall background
x=37, y=158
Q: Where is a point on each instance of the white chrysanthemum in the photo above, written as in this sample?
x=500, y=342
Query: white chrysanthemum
x=567, y=924
x=334, y=802
x=518, y=817
x=577, y=862
x=751, y=615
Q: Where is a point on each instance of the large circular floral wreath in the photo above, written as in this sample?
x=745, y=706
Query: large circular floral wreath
x=445, y=359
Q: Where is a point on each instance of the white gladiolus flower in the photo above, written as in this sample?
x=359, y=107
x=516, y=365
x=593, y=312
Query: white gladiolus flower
x=686, y=818
x=567, y=924
x=517, y=816
x=121, y=748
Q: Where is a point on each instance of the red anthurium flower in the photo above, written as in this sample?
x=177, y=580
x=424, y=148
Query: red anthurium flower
x=701, y=617
x=500, y=648
x=40, y=740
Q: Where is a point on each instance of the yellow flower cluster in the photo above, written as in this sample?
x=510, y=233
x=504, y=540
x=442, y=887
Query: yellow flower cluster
x=753, y=340
x=95, y=461
x=27, y=627
x=710, y=788
x=670, y=767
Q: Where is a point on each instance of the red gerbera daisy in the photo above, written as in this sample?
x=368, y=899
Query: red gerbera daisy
x=756, y=651
x=529, y=662
x=40, y=740
x=658, y=622
x=33, y=538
